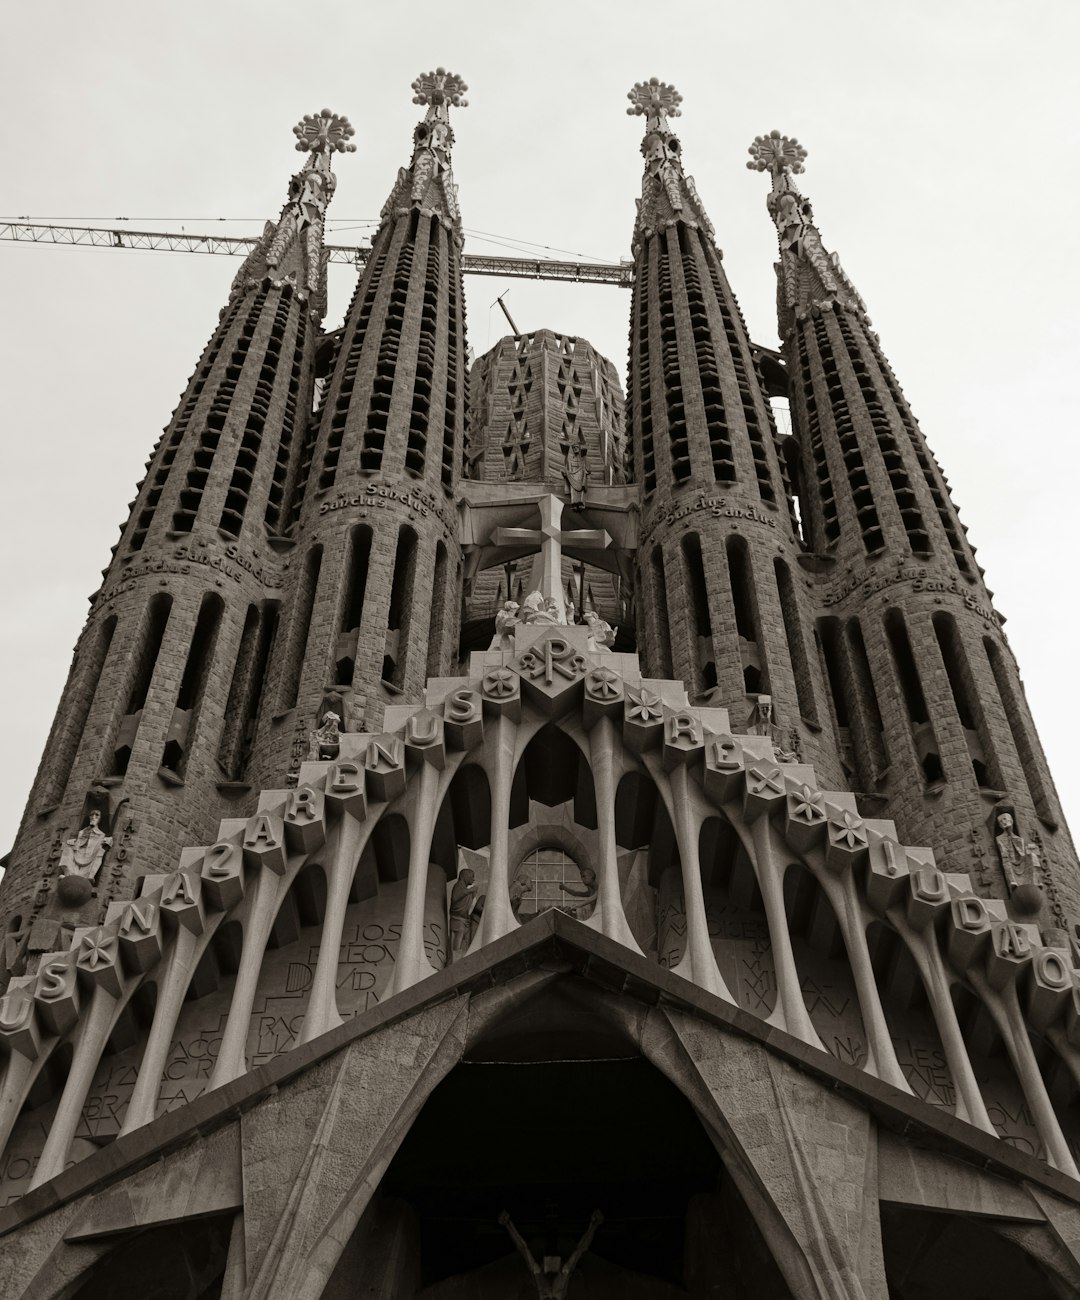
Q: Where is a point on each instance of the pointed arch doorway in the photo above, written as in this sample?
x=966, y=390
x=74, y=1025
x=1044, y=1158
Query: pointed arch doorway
x=552, y=1116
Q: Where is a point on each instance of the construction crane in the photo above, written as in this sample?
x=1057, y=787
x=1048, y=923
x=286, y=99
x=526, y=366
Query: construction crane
x=522, y=268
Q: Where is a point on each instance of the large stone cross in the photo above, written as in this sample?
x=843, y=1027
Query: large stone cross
x=546, y=575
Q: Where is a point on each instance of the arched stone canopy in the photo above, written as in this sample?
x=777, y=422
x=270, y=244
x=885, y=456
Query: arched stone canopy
x=804, y=1154
x=370, y=819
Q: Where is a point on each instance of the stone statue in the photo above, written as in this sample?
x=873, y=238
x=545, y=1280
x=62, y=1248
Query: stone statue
x=601, y=633
x=83, y=854
x=463, y=899
x=576, y=472
x=326, y=740
x=535, y=609
x=505, y=621
x=1019, y=859
x=519, y=887
x=586, y=896
x=762, y=723
x=553, y=1280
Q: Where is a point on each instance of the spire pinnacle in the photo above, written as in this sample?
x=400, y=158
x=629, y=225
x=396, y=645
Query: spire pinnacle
x=324, y=133
x=300, y=226
x=433, y=139
x=810, y=278
x=656, y=100
x=667, y=193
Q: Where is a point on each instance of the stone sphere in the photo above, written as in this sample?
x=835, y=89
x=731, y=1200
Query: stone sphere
x=1027, y=900
x=73, y=891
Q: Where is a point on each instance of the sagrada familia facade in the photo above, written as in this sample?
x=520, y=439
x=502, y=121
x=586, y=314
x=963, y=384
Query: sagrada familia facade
x=504, y=838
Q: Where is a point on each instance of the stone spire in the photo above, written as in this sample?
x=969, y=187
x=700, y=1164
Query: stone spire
x=158, y=720
x=371, y=503
x=720, y=545
x=428, y=182
x=667, y=193
x=291, y=250
x=808, y=276
x=909, y=619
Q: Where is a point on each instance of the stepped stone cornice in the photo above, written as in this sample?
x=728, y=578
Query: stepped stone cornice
x=621, y=723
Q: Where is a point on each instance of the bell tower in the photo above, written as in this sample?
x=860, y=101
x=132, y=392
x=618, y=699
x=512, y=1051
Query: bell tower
x=373, y=590
x=723, y=594
x=155, y=727
x=923, y=692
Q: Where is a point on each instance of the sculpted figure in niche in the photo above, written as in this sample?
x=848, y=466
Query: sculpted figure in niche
x=519, y=887
x=1019, y=859
x=585, y=894
x=83, y=854
x=549, y=878
x=463, y=901
x=601, y=633
x=326, y=739
x=505, y=621
x=553, y=1277
x=576, y=472
x=762, y=723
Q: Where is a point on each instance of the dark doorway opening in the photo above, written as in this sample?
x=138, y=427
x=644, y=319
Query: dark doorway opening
x=935, y=1256
x=550, y=1142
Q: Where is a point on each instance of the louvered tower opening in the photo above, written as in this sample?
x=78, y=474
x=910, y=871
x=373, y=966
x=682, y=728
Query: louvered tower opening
x=738, y=342
x=202, y=461
x=382, y=387
x=275, y=500
x=347, y=369
x=903, y=493
x=179, y=428
x=678, y=437
x=862, y=495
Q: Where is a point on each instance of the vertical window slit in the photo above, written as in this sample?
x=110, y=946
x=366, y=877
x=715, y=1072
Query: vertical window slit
x=437, y=630
x=401, y=609
x=141, y=674
x=922, y=730
x=755, y=676
x=298, y=633
x=871, y=738
x=983, y=759
x=663, y=628
x=704, y=657
x=246, y=690
x=800, y=661
x=352, y=605
x=181, y=733
x=1023, y=736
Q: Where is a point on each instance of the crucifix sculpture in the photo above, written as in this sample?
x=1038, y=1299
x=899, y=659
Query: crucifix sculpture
x=552, y=1278
x=546, y=575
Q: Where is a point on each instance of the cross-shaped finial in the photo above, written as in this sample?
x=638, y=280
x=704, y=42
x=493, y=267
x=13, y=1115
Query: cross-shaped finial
x=323, y=133
x=440, y=87
x=654, y=97
x=777, y=154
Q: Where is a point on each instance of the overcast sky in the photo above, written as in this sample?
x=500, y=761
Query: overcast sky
x=942, y=138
